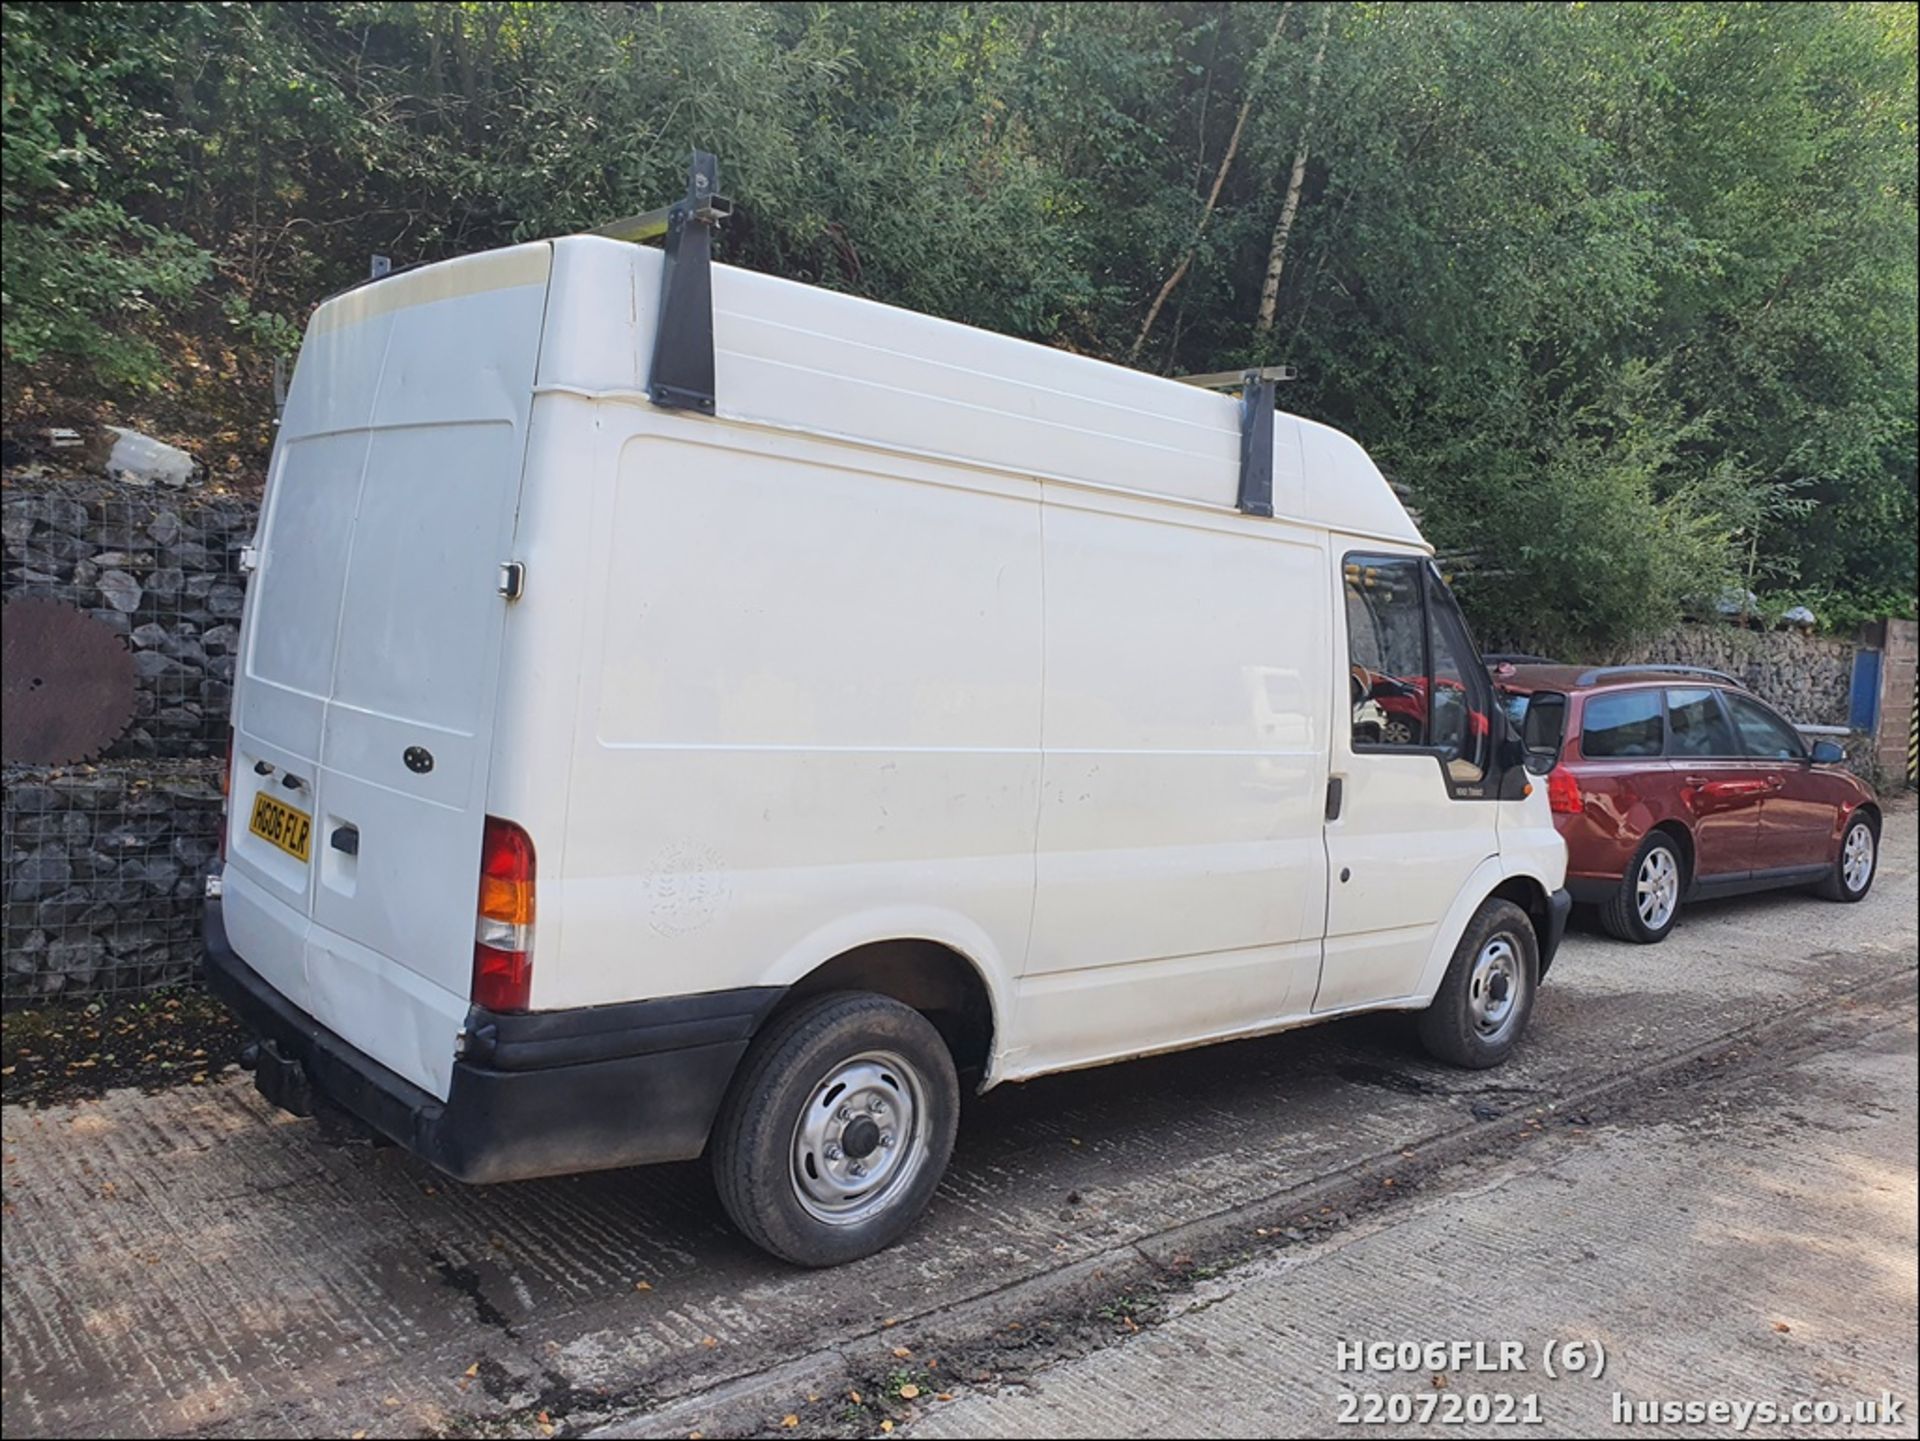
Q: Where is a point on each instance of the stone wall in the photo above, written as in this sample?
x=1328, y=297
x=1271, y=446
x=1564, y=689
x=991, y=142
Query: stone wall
x=105, y=868
x=105, y=860
x=1807, y=678
x=160, y=569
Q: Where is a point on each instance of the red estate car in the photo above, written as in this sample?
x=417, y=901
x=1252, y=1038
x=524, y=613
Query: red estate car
x=1674, y=782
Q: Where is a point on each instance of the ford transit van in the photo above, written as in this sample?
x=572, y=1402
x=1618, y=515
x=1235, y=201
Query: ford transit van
x=684, y=712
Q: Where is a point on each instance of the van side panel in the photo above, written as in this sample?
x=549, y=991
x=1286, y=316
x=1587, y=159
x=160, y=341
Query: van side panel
x=810, y=715
x=1181, y=873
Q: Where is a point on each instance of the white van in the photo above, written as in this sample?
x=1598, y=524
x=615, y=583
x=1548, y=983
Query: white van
x=723, y=735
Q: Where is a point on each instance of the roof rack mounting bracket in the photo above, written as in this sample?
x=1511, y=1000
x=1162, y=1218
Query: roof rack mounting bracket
x=1256, y=444
x=681, y=374
x=1258, y=387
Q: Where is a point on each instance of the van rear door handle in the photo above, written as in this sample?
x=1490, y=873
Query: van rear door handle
x=346, y=840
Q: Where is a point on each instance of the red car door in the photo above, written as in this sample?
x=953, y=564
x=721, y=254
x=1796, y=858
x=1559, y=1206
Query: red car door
x=1721, y=788
x=1798, y=814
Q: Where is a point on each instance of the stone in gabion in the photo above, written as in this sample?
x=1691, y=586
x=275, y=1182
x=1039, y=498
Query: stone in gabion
x=121, y=590
x=43, y=873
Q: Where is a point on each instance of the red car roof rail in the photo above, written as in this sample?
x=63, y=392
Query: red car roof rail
x=1603, y=671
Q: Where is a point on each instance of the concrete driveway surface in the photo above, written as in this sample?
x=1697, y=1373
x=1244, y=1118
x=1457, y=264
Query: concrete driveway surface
x=192, y=1263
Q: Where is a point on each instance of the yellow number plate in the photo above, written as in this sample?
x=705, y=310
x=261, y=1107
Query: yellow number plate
x=280, y=824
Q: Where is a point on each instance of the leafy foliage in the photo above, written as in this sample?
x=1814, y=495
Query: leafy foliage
x=1625, y=294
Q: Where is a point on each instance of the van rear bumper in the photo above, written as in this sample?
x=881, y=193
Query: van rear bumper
x=537, y=1095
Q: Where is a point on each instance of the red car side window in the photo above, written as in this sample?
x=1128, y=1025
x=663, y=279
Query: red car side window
x=1762, y=732
x=1697, y=726
x=1622, y=723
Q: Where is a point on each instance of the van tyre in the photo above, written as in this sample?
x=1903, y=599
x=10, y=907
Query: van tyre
x=836, y=1129
x=1485, y=999
x=1646, y=903
x=1854, y=868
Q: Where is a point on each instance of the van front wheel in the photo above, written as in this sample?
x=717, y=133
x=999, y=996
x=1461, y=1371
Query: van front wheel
x=1486, y=997
x=836, y=1129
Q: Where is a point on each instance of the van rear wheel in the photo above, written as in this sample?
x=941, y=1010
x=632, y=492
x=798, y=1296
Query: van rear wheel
x=1486, y=996
x=836, y=1129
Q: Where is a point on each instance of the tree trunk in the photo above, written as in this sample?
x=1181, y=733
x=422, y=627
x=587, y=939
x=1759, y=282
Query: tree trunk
x=1277, y=255
x=1213, y=196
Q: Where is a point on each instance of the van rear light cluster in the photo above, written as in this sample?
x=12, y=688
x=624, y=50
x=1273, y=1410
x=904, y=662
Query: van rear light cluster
x=503, y=933
x=1563, y=792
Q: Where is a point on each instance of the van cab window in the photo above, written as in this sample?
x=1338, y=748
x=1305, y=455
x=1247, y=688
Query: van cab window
x=1625, y=723
x=1387, y=651
x=1414, y=678
x=1762, y=733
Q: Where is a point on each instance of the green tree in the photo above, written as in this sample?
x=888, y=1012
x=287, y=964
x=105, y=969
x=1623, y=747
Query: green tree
x=1599, y=283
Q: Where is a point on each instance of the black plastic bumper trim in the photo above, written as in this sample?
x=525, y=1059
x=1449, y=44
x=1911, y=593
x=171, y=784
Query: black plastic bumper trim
x=539, y=1039
x=624, y=1109
x=1559, y=907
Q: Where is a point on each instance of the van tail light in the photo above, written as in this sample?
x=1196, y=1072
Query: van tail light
x=503, y=933
x=226, y=796
x=1563, y=792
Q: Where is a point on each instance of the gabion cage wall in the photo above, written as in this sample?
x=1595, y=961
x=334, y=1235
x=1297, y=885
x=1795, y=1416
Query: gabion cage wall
x=105, y=858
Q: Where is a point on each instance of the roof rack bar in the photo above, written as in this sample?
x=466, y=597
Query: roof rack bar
x=1234, y=379
x=1600, y=672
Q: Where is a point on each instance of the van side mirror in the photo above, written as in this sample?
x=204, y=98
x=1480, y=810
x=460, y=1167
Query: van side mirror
x=1828, y=753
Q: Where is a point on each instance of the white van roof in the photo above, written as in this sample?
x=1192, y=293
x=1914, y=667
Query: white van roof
x=798, y=357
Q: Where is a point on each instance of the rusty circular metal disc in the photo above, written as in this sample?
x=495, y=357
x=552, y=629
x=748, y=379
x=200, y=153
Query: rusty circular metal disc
x=66, y=682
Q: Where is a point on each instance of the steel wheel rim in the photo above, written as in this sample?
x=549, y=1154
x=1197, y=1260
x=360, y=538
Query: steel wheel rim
x=1856, y=864
x=1656, y=889
x=860, y=1139
x=1493, y=988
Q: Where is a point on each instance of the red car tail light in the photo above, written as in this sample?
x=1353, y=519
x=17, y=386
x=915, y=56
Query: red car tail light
x=503, y=932
x=1563, y=792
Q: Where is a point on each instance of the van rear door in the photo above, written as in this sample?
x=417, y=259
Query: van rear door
x=365, y=701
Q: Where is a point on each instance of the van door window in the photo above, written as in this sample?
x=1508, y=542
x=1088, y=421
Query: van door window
x=1387, y=652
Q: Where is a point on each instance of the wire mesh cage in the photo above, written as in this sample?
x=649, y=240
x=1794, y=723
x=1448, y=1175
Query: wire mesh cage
x=122, y=616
